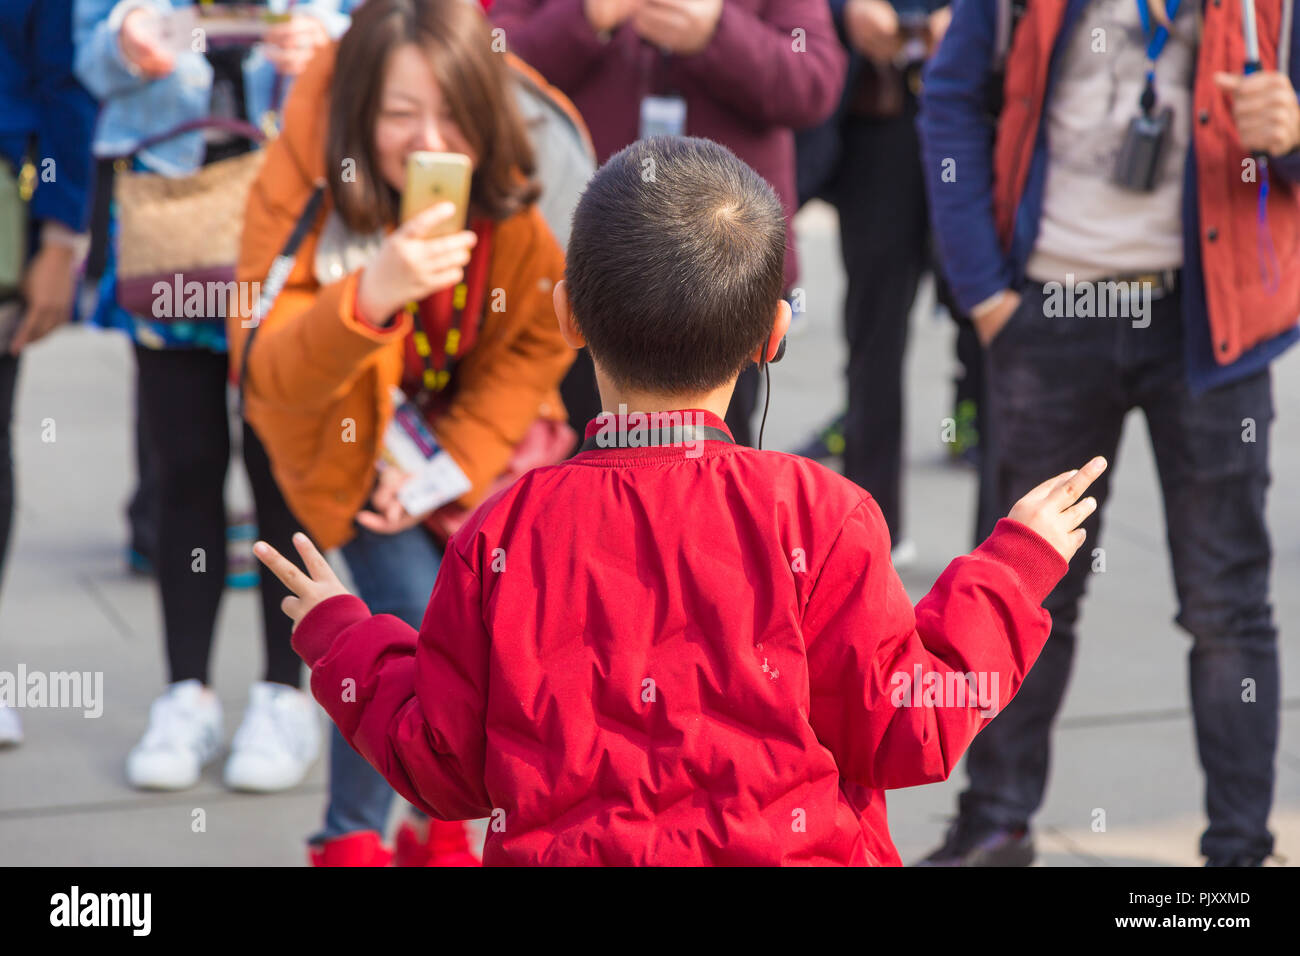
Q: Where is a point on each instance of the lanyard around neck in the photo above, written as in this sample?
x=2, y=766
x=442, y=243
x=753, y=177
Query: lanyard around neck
x=1156, y=39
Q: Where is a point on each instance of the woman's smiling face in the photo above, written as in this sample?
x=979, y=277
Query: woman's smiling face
x=413, y=115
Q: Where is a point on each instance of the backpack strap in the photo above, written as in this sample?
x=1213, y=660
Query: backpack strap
x=276, y=277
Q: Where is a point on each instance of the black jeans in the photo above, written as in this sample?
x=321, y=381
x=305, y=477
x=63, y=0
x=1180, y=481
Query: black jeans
x=182, y=404
x=880, y=195
x=1059, y=389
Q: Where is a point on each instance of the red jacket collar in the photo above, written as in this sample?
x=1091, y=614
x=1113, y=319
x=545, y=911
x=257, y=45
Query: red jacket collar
x=626, y=421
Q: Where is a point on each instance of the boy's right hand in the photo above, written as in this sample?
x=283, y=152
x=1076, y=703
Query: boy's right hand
x=414, y=262
x=1053, y=509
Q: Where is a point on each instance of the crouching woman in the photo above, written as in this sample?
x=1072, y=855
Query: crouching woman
x=459, y=327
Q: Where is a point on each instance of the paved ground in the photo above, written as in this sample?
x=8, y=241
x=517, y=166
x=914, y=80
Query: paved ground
x=1124, y=743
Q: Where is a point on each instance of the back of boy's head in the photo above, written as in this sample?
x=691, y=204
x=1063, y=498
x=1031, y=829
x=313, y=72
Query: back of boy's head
x=675, y=265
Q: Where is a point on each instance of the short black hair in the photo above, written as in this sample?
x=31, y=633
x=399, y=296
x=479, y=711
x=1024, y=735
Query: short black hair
x=675, y=264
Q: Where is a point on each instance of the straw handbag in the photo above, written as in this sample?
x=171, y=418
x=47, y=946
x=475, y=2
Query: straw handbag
x=182, y=230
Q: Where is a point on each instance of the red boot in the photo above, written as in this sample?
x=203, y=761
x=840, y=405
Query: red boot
x=442, y=844
x=363, y=848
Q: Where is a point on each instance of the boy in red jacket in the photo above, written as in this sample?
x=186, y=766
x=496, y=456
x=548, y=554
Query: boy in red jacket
x=671, y=649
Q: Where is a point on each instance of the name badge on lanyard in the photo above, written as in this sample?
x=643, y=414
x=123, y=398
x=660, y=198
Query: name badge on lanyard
x=409, y=445
x=663, y=116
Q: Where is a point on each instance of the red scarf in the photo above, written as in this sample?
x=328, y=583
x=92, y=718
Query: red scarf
x=437, y=315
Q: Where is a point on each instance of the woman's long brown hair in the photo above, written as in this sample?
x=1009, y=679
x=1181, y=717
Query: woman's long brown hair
x=479, y=91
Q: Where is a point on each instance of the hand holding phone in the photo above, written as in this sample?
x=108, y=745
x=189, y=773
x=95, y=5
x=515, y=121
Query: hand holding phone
x=428, y=252
x=415, y=261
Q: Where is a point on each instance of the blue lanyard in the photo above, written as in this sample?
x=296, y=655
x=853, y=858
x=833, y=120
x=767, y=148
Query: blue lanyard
x=1156, y=44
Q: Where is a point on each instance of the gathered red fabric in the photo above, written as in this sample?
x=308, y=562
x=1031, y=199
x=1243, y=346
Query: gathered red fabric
x=680, y=654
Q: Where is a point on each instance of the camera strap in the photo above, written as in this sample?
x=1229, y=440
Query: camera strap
x=1156, y=40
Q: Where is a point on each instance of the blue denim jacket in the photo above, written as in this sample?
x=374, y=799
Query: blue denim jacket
x=135, y=107
x=41, y=100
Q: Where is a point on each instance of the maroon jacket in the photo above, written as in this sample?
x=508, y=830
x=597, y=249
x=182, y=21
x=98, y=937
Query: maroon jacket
x=757, y=80
x=677, y=655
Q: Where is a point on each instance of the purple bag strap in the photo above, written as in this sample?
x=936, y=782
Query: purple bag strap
x=238, y=127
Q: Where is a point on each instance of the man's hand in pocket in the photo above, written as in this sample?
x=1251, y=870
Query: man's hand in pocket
x=990, y=323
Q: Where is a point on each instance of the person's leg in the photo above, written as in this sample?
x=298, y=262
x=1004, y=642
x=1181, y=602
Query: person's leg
x=1212, y=454
x=142, y=511
x=881, y=200
x=1057, y=401
x=276, y=525
x=11, y=730
x=183, y=401
x=8, y=385
x=393, y=574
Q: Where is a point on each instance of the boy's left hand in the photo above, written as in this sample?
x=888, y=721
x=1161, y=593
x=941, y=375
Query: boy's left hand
x=318, y=584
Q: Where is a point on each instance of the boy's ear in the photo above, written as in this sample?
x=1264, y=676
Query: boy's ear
x=780, y=325
x=564, y=314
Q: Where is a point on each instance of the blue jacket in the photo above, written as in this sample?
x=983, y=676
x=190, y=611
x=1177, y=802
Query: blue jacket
x=136, y=107
x=40, y=98
x=953, y=125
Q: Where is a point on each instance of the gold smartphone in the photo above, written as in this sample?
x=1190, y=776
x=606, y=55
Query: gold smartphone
x=432, y=178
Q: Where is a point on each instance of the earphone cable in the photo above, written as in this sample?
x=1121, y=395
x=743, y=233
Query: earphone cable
x=767, y=398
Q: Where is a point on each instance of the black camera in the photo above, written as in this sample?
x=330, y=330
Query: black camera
x=1138, y=162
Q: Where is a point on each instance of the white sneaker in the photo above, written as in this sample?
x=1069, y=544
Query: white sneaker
x=184, y=734
x=11, y=728
x=278, y=741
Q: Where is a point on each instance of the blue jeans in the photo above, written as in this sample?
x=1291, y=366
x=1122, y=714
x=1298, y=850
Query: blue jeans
x=393, y=574
x=1059, y=390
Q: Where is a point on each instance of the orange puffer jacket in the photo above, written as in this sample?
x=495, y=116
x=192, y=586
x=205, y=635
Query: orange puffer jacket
x=318, y=378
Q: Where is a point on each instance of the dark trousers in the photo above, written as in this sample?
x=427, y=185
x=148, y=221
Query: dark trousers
x=1059, y=390
x=142, y=511
x=883, y=241
x=8, y=385
x=184, y=418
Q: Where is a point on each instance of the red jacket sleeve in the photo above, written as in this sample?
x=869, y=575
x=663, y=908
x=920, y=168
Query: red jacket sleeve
x=412, y=705
x=786, y=68
x=873, y=661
